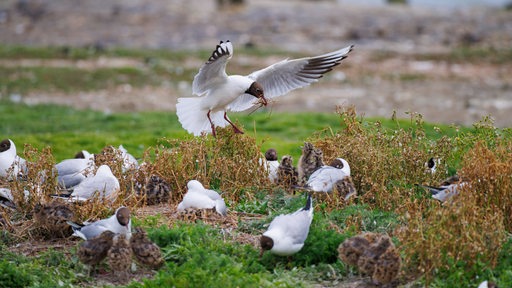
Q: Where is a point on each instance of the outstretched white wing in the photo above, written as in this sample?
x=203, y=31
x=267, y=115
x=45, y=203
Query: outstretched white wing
x=213, y=71
x=287, y=75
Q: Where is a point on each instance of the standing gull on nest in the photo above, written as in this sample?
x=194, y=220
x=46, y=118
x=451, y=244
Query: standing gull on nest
x=219, y=93
x=129, y=162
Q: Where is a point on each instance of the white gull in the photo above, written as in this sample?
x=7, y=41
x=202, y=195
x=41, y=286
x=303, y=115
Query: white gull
x=323, y=179
x=286, y=233
x=129, y=162
x=219, y=92
x=198, y=197
x=10, y=160
x=270, y=164
x=119, y=223
x=73, y=171
x=103, y=182
x=444, y=192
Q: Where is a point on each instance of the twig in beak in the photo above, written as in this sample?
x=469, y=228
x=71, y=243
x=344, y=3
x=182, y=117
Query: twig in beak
x=255, y=109
x=262, y=102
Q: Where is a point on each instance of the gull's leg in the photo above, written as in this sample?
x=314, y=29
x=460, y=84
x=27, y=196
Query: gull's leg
x=238, y=131
x=213, y=126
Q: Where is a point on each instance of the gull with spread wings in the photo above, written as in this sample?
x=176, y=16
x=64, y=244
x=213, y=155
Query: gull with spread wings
x=219, y=93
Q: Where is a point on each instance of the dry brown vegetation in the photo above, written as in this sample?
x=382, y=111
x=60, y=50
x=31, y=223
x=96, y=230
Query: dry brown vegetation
x=228, y=163
x=468, y=228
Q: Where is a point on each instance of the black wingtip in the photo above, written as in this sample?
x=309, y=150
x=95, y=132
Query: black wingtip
x=309, y=203
x=74, y=226
x=218, y=52
x=433, y=190
x=62, y=195
x=298, y=187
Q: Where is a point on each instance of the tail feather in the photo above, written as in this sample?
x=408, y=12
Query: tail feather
x=220, y=207
x=74, y=225
x=433, y=190
x=194, y=119
x=305, y=188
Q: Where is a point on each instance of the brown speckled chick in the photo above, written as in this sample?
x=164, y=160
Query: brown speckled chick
x=351, y=249
x=92, y=252
x=120, y=257
x=346, y=187
x=370, y=257
x=156, y=190
x=146, y=252
x=374, y=254
x=311, y=160
x=388, y=267
x=287, y=175
x=53, y=218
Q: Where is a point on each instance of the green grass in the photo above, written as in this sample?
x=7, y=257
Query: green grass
x=67, y=130
x=49, y=269
x=23, y=80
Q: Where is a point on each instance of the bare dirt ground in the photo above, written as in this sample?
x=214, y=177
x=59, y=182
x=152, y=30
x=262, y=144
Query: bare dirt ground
x=442, y=91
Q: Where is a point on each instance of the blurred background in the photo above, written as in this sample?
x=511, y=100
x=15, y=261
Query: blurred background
x=450, y=61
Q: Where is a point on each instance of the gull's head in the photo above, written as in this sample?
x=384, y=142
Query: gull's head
x=256, y=90
x=341, y=164
x=266, y=243
x=194, y=185
x=5, y=145
x=104, y=170
x=271, y=154
x=123, y=215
